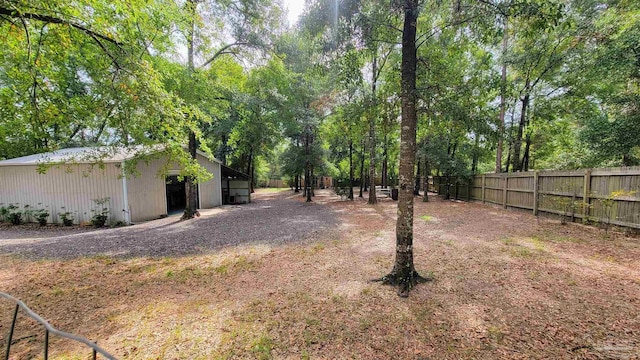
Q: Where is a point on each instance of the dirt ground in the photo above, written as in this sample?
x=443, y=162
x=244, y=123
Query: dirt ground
x=505, y=285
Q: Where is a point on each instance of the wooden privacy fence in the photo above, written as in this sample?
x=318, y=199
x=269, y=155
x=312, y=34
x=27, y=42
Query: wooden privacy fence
x=609, y=196
x=277, y=183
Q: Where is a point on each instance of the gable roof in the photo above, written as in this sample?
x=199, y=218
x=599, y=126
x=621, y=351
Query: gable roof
x=89, y=155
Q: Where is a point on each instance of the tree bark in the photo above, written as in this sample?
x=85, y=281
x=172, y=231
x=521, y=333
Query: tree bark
x=425, y=198
x=297, y=181
x=503, y=94
x=307, y=174
x=385, y=164
x=517, y=143
x=403, y=275
x=350, y=169
x=476, y=150
x=372, y=135
x=416, y=188
x=313, y=182
x=362, y=180
x=525, y=157
x=191, y=210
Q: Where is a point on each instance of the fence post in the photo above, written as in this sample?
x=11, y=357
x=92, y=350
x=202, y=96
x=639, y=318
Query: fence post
x=469, y=182
x=504, y=191
x=536, y=177
x=484, y=184
x=586, y=195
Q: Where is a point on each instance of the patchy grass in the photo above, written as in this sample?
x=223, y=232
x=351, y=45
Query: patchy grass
x=271, y=190
x=510, y=288
x=427, y=218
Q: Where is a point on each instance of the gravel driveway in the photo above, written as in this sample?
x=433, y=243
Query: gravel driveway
x=273, y=218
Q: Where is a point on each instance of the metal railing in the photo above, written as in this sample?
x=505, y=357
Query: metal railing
x=48, y=330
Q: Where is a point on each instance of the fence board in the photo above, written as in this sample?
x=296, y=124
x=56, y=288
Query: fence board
x=577, y=193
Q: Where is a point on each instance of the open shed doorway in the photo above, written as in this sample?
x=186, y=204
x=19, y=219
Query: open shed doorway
x=177, y=195
x=236, y=186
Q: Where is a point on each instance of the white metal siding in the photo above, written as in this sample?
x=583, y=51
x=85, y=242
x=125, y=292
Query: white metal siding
x=210, y=191
x=147, y=191
x=72, y=186
x=75, y=189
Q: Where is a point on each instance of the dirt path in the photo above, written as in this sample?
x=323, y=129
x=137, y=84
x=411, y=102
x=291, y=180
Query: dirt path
x=272, y=218
x=505, y=287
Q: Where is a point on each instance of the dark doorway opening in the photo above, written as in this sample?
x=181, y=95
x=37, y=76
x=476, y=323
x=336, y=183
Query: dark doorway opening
x=177, y=195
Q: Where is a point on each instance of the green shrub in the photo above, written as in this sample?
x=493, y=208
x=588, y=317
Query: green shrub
x=100, y=213
x=41, y=215
x=66, y=217
x=4, y=212
x=14, y=214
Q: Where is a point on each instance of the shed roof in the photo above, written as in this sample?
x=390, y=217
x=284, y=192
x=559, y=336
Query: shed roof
x=89, y=155
x=230, y=173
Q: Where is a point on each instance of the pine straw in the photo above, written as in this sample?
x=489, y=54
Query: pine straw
x=506, y=286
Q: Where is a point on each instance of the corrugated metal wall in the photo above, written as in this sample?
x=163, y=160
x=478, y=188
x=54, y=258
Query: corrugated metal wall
x=147, y=192
x=69, y=186
x=74, y=187
x=210, y=191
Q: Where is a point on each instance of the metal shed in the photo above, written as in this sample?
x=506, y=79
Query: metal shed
x=236, y=186
x=74, y=179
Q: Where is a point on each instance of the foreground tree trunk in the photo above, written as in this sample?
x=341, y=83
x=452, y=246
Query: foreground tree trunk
x=403, y=275
x=190, y=210
x=297, y=181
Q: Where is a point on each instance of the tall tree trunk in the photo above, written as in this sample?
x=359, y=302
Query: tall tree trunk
x=253, y=176
x=307, y=174
x=313, y=182
x=223, y=151
x=403, y=273
x=427, y=171
x=362, y=180
x=416, y=188
x=191, y=187
x=517, y=143
x=191, y=210
x=297, y=182
x=372, y=134
x=476, y=150
x=525, y=157
x=503, y=94
x=350, y=169
x=385, y=164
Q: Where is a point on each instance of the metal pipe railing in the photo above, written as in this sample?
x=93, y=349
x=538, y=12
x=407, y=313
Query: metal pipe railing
x=48, y=330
